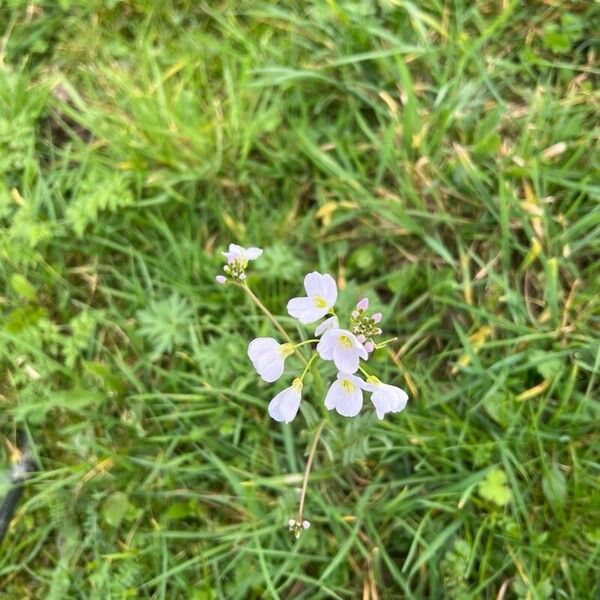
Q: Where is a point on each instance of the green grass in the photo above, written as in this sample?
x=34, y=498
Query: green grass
x=440, y=158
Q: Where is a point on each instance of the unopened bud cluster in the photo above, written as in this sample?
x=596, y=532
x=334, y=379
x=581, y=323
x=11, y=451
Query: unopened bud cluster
x=236, y=270
x=297, y=527
x=364, y=327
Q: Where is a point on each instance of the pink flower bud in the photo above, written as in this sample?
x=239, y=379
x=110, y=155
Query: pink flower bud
x=377, y=317
x=363, y=304
x=361, y=338
x=221, y=279
x=369, y=347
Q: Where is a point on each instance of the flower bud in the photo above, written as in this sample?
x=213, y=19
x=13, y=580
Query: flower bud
x=369, y=347
x=363, y=304
x=355, y=314
x=377, y=317
x=361, y=338
x=221, y=279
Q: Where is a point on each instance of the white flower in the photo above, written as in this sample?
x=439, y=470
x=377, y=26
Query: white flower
x=268, y=356
x=284, y=406
x=345, y=395
x=331, y=323
x=343, y=348
x=386, y=398
x=321, y=294
x=241, y=254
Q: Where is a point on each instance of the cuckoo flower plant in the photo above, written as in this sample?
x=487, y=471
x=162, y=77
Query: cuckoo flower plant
x=345, y=341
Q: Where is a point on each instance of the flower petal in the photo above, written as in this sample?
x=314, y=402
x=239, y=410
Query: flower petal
x=400, y=398
x=271, y=368
x=327, y=344
x=329, y=289
x=346, y=359
x=313, y=284
x=381, y=403
x=334, y=394
x=357, y=381
x=261, y=346
x=360, y=349
x=331, y=323
x=284, y=406
x=388, y=399
x=305, y=311
x=253, y=253
x=266, y=358
x=370, y=387
x=236, y=251
x=350, y=404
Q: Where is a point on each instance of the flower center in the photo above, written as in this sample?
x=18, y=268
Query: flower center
x=320, y=302
x=286, y=349
x=345, y=341
x=347, y=385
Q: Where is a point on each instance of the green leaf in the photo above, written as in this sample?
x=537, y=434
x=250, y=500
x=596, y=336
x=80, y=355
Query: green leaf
x=165, y=323
x=494, y=487
x=23, y=317
x=22, y=286
x=110, y=381
x=546, y=363
x=115, y=508
x=497, y=408
x=554, y=486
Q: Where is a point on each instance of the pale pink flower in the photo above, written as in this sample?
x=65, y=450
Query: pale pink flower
x=386, y=398
x=345, y=395
x=284, y=407
x=321, y=294
x=240, y=254
x=268, y=357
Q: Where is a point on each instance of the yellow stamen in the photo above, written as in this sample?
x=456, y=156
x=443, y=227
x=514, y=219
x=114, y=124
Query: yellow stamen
x=345, y=341
x=320, y=302
x=347, y=385
x=286, y=349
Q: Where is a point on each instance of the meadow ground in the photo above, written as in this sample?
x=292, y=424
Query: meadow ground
x=440, y=158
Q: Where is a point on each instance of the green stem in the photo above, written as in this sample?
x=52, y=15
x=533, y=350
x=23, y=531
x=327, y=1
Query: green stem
x=305, y=342
x=384, y=344
x=308, y=364
x=265, y=310
x=311, y=455
x=269, y=315
x=363, y=371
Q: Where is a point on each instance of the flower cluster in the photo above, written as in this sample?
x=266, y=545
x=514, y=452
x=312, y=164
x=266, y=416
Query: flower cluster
x=346, y=348
x=237, y=261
